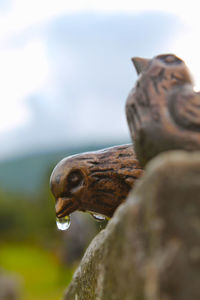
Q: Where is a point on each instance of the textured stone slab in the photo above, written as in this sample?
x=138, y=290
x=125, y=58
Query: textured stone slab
x=151, y=247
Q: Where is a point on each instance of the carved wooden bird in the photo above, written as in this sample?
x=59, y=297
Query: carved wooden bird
x=95, y=181
x=163, y=111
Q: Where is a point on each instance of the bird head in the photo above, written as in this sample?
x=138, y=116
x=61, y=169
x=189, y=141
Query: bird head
x=68, y=183
x=167, y=69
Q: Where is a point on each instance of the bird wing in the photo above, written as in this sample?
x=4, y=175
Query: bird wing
x=184, y=106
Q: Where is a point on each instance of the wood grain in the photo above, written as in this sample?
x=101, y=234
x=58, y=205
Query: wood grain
x=95, y=181
x=163, y=110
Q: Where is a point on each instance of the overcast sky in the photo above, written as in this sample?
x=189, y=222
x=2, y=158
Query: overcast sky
x=65, y=65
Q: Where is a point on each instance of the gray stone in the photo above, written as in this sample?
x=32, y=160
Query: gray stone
x=150, y=249
x=10, y=287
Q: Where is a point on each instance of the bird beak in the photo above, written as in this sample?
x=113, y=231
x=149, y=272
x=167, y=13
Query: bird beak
x=140, y=64
x=65, y=206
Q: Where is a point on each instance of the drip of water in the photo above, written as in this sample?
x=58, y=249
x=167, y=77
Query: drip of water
x=98, y=217
x=63, y=223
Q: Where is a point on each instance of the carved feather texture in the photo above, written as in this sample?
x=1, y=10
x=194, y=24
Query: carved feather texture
x=184, y=105
x=163, y=111
x=95, y=181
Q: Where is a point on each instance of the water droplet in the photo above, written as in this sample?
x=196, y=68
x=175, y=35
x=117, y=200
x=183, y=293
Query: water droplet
x=98, y=217
x=63, y=223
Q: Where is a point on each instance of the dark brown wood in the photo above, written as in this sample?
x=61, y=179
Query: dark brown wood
x=163, y=111
x=95, y=181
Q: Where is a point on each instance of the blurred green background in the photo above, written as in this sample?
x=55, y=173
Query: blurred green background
x=36, y=260
x=30, y=242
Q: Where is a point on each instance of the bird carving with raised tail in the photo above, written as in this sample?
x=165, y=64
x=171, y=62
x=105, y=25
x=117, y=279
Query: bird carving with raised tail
x=163, y=110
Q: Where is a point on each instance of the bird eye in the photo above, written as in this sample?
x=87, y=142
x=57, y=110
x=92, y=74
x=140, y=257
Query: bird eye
x=74, y=179
x=170, y=59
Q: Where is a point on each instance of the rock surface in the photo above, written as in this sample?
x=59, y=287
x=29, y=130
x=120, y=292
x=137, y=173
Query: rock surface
x=150, y=250
x=10, y=287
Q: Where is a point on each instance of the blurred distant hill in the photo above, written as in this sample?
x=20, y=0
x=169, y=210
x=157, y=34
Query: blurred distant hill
x=27, y=175
x=89, y=75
